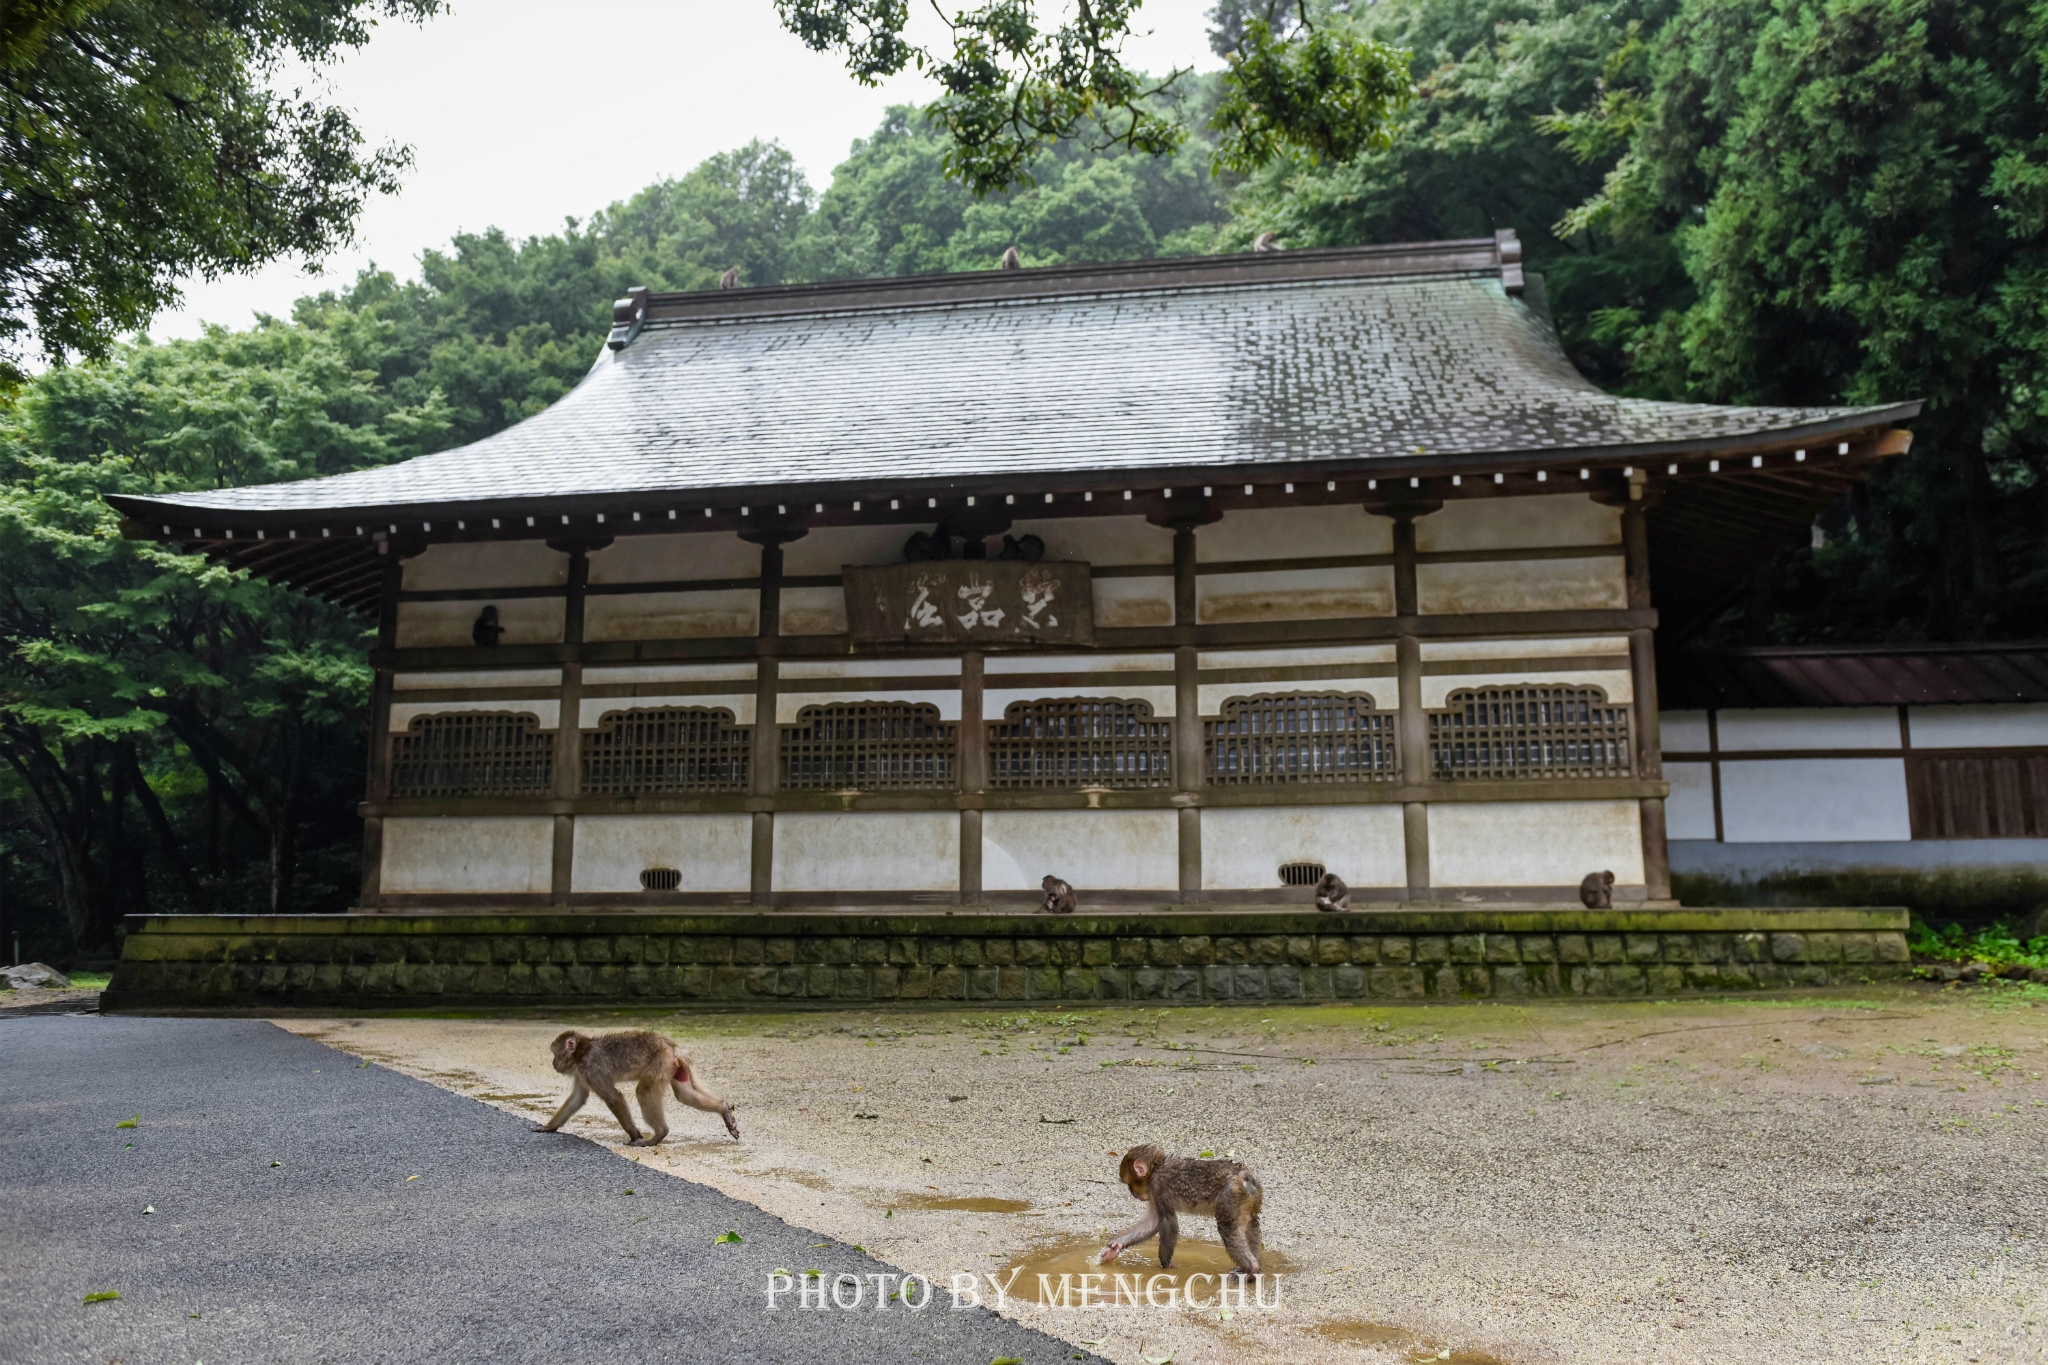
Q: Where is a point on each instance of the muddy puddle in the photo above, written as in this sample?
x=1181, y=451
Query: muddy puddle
x=1414, y=1345
x=936, y=1203
x=1135, y=1273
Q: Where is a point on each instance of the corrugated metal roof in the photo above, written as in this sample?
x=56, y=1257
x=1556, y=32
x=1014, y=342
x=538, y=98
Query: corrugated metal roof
x=1358, y=359
x=1861, y=675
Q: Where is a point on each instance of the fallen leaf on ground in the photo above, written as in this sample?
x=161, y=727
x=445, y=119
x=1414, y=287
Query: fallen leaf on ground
x=1043, y=1119
x=135, y=1122
x=102, y=1295
x=722, y=1238
x=149, y=1208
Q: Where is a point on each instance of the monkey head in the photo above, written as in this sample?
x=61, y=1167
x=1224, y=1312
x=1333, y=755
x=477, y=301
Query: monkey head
x=1138, y=1165
x=570, y=1050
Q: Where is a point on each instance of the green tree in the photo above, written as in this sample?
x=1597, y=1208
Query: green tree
x=142, y=141
x=1859, y=191
x=140, y=686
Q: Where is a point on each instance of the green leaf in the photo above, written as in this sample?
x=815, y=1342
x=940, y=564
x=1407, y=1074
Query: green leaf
x=130, y=1123
x=722, y=1238
x=102, y=1296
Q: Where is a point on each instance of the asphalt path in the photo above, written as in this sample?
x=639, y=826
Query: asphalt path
x=311, y=1209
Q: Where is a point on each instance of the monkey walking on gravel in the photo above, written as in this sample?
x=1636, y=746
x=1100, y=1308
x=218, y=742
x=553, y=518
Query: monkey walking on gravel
x=1173, y=1185
x=651, y=1062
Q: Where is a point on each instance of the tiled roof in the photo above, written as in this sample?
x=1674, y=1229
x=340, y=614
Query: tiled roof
x=1856, y=675
x=1367, y=359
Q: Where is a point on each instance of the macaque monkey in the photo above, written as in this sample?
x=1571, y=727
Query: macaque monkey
x=1173, y=1185
x=730, y=279
x=1010, y=261
x=650, y=1061
x=1059, y=897
x=1267, y=241
x=486, y=630
x=1597, y=891
x=1332, y=894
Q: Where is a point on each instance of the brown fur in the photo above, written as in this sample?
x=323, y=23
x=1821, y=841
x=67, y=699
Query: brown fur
x=1332, y=894
x=1597, y=891
x=651, y=1062
x=1173, y=1185
x=1059, y=897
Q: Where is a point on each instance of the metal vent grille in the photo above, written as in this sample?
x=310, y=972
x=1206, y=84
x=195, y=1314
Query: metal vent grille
x=1300, y=874
x=661, y=879
x=473, y=753
x=1301, y=739
x=1523, y=732
x=671, y=749
x=1080, y=742
x=869, y=746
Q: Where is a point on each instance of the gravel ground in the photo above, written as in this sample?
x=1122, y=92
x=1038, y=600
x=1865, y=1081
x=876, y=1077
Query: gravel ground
x=1850, y=1176
x=276, y=1201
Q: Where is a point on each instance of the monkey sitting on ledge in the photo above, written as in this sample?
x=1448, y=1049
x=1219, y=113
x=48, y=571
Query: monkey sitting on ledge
x=651, y=1062
x=1059, y=896
x=1597, y=891
x=1173, y=1185
x=1332, y=893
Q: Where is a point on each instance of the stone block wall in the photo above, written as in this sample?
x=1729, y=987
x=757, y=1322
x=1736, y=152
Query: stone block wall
x=794, y=960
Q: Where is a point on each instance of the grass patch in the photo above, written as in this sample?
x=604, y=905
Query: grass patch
x=1996, y=945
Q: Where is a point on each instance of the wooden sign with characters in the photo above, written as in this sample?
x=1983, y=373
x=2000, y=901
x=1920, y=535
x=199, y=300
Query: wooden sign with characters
x=971, y=601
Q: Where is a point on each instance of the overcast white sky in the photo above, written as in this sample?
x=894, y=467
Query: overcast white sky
x=523, y=112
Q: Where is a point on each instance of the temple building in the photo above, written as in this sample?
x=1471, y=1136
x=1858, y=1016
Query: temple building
x=1184, y=581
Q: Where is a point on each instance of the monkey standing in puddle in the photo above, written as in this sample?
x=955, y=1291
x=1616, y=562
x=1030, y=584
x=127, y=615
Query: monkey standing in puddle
x=1173, y=1185
x=651, y=1062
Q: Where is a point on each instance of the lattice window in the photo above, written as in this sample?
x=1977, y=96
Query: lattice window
x=868, y=746
x=1301, y=739
x=1080, y=742
x=1522, y=732
x=669, y=749
x=473, y=753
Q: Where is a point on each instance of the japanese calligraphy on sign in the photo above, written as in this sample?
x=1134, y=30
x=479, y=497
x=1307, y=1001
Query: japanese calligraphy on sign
x=980, y=601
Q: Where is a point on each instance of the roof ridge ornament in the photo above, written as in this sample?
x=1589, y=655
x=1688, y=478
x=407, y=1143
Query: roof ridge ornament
x=1508, y=248
x=629, y=315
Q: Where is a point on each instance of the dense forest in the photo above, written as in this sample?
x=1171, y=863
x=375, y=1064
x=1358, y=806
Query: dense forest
x=1731, y=200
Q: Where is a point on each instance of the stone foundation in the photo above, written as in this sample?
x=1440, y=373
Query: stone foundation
x=358, y=962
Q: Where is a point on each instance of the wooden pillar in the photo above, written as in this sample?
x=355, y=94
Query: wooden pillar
x=1189, y=776
x=1413, y=722
x=569, y=724
x=1642, y=666
x=973, y=776
x=377, y=787
x=767, y=752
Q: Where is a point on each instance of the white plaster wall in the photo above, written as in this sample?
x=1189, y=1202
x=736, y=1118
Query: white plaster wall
x=1682, y=732
x=1526, y=585
x=1814, y=727
x=592, y=710
x=511, y=677
x=1295, y=595
x=1808, y=800
x=1101, y=540
x=828, y=549
x=1108, y=850
x=788, y=704
x=997, y=665
x=1294, y=658
x=813, y=611
x=548, y=711
x=1294, y=533
x=664, y=559
x=595, y=675
x=1519, y=524
x=449, y=855
x=1243, y=847
x=1435, y=651
x=527, y=621
x=489, y=564
x=996, y=700
x=1534, y=843
x=869, y=668
x=1978, y=727
x=1134, y=601
x=867, y=851
x=713, y=852
x=672, y=615
x=1437, y=688
x=1384, y=691
x=1689, y=810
